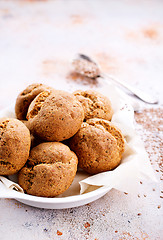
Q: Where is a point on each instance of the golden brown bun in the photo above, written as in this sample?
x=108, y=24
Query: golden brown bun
x=55, y=116
x=26, y=97
x=50, y=170
x=111, y=128
x=95, y=104
x=14, y=145
x=98, y=145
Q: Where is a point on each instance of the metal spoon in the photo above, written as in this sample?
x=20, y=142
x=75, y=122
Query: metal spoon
x=89, y=68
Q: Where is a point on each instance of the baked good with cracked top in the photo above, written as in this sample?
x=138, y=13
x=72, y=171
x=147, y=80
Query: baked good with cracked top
x=98, y=145
x=50, y=170
x=95, y=104
x=26, y=97
x=55, y=116
x=14, y=145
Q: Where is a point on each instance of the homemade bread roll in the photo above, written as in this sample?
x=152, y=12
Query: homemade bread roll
x=55, y=116
x=95, y=104
x=99, y=146
x=26, y=97
x=14, y=145
x=50, y=170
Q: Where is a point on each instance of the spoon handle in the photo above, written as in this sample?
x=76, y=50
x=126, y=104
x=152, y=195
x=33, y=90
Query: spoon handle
x=137, y=92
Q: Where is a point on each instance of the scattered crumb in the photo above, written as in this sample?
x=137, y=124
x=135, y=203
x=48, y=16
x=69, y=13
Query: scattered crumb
x=59, y=233
x=159, y=206
x=116, y=231
x=139, y=214
x=150, y=129
x=87, y=224
x=125, y=193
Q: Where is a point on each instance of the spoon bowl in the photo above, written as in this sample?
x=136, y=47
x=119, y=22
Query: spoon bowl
x=86, y=66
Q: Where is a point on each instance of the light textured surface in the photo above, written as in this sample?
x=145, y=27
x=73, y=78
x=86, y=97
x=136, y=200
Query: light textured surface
x=38, y=39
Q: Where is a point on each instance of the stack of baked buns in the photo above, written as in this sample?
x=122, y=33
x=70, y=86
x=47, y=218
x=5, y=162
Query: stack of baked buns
x=56, y=133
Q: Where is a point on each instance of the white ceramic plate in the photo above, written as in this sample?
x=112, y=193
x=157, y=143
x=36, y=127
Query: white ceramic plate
x=64, y=201
x=53, y=203
x=42, y=202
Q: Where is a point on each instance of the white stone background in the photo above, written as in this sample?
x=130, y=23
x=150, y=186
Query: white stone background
x=38, y=40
